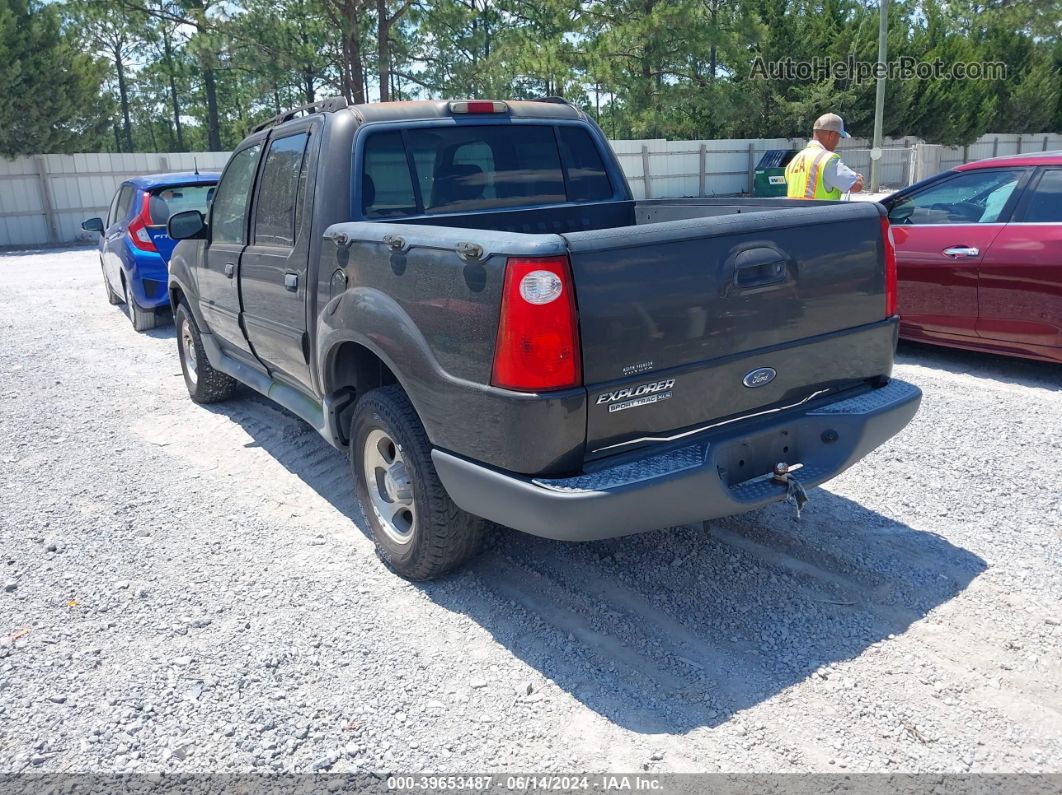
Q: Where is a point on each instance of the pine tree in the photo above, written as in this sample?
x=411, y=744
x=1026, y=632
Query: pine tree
x=49, y=89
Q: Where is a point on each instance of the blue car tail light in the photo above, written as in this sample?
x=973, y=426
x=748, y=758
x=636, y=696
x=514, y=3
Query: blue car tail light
x=138, y=233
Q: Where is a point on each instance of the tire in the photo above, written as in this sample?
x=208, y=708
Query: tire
x=112, y=299
x=142, y=319
x=205, y=384
x=432, y=536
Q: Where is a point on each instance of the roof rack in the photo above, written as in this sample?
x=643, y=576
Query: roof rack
x=326, y=105
x=553, y=100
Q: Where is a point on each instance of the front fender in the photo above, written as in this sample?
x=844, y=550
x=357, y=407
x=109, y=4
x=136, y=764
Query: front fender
x=182, y=274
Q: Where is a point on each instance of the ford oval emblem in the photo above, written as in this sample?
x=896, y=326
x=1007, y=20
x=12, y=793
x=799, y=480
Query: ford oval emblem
x=761, y=376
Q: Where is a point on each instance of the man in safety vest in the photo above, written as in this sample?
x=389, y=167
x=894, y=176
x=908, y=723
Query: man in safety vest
x=817, y=172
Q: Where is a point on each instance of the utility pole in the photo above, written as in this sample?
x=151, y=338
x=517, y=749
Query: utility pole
x=879, y=94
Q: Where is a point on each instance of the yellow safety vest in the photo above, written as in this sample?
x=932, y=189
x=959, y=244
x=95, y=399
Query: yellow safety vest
x=803, y=175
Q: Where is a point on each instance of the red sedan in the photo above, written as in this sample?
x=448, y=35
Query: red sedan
x=979, y=256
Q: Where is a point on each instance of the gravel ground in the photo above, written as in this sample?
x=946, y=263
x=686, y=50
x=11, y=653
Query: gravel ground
x=189, y=589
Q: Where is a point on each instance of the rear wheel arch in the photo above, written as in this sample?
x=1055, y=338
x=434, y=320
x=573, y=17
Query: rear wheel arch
x=351, y=370
x=176, y=297
x=353, y=364
x=179, y=294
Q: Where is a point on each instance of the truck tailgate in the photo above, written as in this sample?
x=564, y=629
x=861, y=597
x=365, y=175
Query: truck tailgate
x=690, y=322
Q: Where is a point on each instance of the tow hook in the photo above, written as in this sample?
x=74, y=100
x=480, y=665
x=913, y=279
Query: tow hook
x=795, y=493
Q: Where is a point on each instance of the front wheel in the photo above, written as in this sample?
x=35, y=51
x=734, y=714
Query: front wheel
x=205, y=384
x=419, y=532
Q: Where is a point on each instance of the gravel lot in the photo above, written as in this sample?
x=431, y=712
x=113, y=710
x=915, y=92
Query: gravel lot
x=188, y=589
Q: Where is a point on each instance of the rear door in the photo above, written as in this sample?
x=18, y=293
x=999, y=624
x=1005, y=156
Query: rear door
x=114, y=244
x=1020, y=279
x=273, y=277
x=218, y=283
x=942, y=232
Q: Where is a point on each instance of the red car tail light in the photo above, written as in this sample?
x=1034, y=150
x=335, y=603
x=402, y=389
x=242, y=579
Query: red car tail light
x=138, y=233
x=538, y=334
x=890, y=267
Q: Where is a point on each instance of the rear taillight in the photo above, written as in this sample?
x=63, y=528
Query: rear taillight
x=538, y=334
x=890, y=267
x=138, y=233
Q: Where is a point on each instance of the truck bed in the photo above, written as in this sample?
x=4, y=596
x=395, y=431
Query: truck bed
x=696, y=304
x=604, y=215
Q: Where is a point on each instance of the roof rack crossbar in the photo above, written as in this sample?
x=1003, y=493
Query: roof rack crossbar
x=552, y=100
x=326, y=105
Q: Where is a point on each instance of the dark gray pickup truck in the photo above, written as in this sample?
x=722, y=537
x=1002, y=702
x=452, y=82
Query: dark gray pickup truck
x=465, y=296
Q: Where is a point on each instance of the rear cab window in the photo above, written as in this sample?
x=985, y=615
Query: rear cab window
x=465, y=168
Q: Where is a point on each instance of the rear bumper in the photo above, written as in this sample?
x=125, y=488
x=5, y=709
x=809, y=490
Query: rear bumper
x=718, y=475
x=147, y=277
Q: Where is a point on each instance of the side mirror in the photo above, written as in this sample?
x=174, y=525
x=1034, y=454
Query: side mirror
x=187, y=225
x=93, y=225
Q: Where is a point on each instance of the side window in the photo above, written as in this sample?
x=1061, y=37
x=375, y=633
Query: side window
x=125, y=203
x=387, y=188
x=972, y=197
x=112, y=211
x=1045, y=204
x=228, y=216
x=278, y=196
x=587, y=180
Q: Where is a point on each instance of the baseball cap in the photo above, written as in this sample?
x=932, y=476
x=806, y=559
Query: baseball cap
x=831, y=122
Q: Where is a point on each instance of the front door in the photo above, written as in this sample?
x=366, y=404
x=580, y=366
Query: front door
x=219, y=296
x=1020, y=285
x=273, y=272
x=942, y=232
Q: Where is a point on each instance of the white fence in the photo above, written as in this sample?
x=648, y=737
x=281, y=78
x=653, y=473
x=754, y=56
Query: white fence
x=725, y=168
x=714, y=168
x=44, y=198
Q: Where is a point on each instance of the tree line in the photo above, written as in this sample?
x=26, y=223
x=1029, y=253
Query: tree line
x=185, y=75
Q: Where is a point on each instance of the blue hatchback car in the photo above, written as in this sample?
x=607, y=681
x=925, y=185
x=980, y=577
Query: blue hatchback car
x=134, y=245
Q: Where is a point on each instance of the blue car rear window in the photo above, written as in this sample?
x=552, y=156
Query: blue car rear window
x=164, y=202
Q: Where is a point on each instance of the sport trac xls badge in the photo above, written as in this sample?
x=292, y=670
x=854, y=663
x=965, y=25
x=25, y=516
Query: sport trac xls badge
x=642, y=395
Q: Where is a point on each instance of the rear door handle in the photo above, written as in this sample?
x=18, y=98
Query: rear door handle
x=291, y=281
x=955, y=252
x=230, y=269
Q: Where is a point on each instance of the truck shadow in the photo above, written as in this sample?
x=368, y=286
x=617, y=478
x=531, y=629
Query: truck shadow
x=676, y=629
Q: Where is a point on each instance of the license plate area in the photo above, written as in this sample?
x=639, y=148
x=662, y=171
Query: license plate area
x=752, y=457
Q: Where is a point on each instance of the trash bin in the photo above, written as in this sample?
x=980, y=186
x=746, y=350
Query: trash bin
x=770, y=172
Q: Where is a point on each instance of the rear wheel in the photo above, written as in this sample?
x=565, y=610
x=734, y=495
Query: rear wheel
x=142, y=319
x=419, y=532
x=205, y=384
